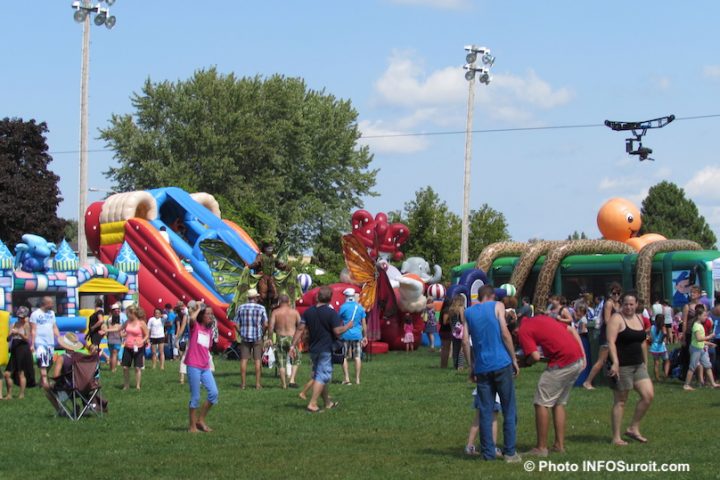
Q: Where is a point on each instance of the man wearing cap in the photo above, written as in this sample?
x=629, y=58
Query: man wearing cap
x=43, y=332
x=355, y=338
x=251, y=323
x=116, y=321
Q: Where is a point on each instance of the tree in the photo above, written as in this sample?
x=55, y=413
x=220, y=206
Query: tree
x=280, y=159
x=434, y=230
x=29, y=195
x=577, y=236
x=487, y=226
x=71, y=230
x=668, y=212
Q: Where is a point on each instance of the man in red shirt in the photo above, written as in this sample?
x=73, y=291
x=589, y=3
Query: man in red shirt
x=562, y=348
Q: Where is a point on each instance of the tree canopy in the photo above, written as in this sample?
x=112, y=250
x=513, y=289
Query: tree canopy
x=435, y=230
x=282, y=160
x=668, y=212
x=29, y=194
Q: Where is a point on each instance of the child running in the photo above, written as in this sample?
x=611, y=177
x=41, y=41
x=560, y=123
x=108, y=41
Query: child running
x=408, y=337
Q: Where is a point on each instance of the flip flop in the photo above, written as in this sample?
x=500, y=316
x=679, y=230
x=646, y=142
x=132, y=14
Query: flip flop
x=332, y=405
x=347, y=383
x=310, y=410
x=636, y=437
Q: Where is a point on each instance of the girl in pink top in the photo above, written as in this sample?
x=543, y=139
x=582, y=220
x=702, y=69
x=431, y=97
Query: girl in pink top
x=197, y=360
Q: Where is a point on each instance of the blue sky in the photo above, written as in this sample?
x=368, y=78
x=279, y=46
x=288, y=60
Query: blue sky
x=400, y=63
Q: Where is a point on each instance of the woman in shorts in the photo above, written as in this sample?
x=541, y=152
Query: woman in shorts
x=157, y=338
x=136, y=335
x=627, y=350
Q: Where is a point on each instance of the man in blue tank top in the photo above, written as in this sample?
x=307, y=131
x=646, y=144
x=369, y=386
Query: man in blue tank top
x=494, y=366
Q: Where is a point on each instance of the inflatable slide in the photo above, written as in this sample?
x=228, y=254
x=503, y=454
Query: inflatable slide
x=164, y=229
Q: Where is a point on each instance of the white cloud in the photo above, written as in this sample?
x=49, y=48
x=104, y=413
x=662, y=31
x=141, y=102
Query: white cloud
x=389, y=139
x=405, y=84
x=711, y=71
x=705, y=184
x=441, y=4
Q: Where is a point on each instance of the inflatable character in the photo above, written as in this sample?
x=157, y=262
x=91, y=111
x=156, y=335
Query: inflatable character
x=265, y=265
x=33, y=253
x=420, y=267
x=619, y=219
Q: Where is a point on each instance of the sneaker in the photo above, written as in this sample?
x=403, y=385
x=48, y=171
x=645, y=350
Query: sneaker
x=513, y=458
x=470, y=450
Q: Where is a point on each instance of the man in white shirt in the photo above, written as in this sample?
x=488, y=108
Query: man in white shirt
x=43, y=332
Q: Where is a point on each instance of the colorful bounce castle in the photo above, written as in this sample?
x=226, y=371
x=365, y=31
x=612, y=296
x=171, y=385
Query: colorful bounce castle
x=165, y=228
x=34, y=271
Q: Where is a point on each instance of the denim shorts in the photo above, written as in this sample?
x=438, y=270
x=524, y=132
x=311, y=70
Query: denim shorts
x=322, y=367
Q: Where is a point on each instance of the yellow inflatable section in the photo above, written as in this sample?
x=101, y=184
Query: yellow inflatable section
x=4, y=332
x=112, y=233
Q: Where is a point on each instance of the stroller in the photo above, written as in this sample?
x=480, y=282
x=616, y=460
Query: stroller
x=77, y=392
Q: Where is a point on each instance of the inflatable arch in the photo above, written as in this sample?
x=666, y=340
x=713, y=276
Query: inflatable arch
x=498, y=249
x=556, y=255
x=645, y=258
x=527, y=260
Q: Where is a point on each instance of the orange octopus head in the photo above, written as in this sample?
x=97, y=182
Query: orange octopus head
x=619, y=219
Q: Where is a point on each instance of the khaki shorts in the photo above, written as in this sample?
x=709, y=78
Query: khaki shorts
x=629, y=376
x=555, y=385
x=254, y=349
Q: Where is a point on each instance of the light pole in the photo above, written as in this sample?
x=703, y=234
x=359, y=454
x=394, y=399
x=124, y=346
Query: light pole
x=472, y=71
x=83, y=12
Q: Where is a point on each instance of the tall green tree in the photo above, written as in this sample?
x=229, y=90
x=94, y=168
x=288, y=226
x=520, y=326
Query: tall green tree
x=29, y=194
x=487, y=226
x=668, y=212
x=280, y=158
x=577, y=236
x=434, y=230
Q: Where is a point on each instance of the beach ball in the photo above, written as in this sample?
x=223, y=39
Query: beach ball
x=436, y=291
x=509, y=288
x=619, y=219
x=305, y=281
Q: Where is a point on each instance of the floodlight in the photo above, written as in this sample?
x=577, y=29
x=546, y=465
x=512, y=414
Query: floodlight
x=100, y=18
x=471, y=57
x=485, y=78
x=470, y=75
x=110, y=22
x=80, y=15
x=110, y=2
x=488, y=59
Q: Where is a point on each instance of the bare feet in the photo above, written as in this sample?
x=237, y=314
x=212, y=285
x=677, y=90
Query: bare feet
x=588, y=386
x=203, y=427
x=635, y=436
x=687, y=388
x=193, y=430
x=21, y=396
x=557, y=449
x=258, y=387
x=619, y=442
x=302, y=395
x=126, y=387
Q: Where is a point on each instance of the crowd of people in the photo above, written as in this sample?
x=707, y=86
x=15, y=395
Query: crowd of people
x=492, y=339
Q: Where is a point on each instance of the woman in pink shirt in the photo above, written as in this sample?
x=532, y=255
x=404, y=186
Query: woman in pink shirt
x=197, y=360
x=136, y=336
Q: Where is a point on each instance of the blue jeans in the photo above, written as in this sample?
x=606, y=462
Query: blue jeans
x=322, y=367
x=488, y=384
x=197, y=376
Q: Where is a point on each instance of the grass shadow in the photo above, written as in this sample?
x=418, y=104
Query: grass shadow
x=588, y=438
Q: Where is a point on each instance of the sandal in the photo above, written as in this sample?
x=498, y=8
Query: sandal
x=636, y=436
x=310, y=410
x=332, y=405
x=347, y=383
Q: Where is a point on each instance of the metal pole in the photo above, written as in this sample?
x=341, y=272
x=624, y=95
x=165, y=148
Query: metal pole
x=465, y=233
x=82, y=189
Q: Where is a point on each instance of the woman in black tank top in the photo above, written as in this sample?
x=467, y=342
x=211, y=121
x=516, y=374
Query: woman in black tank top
x=628, y=350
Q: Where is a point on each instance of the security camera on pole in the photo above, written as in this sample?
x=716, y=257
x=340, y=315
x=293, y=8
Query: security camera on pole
x=83, y=11
x=483, y=74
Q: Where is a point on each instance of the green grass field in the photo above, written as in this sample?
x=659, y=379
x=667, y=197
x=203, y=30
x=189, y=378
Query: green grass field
x=409, y=419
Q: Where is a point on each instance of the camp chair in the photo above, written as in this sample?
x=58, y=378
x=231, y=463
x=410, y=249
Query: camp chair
x=80, y=391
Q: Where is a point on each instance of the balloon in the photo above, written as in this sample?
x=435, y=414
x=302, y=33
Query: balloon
x=436, y=291
x=305, y=281
x=619, y=219
x=509, y=288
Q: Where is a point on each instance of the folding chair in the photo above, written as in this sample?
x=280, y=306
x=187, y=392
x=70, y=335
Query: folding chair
x=81, y=393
